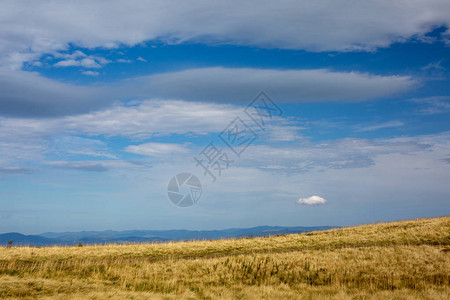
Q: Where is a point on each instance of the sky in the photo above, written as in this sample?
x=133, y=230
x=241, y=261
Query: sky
x=289, y=113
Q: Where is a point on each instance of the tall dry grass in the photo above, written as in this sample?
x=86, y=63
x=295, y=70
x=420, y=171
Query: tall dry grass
x=402, y=260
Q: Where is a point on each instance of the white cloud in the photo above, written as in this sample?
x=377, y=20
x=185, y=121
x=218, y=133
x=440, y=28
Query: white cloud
x=93, y=166
x=75, y=55
x=24, y=139
x=89, y=62
x=38, y=27
x=67, y=63
x=400, y=170
x=137, y=120
x=283, y=131
x=156, y=149
x=433, y=105
x=409, y=183
x=20, y=152
x=13, y=170
x=154, y=117
x=123, y=60
x=141, y=59
x=90, y=73
x=348, y=153
x=69, y=145
x=434, y=65
x=313, y=200
x=384, y=125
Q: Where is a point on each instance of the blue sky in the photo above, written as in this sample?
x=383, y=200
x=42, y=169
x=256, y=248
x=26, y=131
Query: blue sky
x=102, y=104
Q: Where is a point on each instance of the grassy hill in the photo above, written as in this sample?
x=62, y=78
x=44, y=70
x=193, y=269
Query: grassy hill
x=401, y=260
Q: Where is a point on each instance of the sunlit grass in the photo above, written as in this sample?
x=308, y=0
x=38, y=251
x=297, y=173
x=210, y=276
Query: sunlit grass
x=402, y=260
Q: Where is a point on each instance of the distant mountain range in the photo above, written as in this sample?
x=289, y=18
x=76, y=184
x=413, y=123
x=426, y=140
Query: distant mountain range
x=142, y=236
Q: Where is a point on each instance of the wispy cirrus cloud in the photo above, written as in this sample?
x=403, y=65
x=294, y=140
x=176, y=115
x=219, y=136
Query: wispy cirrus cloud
x=433, y=105
x=434, y=65
x=14, y=170
x=93, y=165
x=156, y=149
x=347, y=153
x=384, y=125
x=33, y=140
x=24, y=139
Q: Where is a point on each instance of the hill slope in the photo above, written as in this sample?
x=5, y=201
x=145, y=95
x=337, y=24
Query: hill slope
x=110, y=236
x=403, y=260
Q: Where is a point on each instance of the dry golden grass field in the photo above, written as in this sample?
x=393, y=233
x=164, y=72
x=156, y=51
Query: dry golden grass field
x=400, y=260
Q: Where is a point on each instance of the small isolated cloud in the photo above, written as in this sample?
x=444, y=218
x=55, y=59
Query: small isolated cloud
x=141, y=59
x=313, y=200
x=90, y=73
